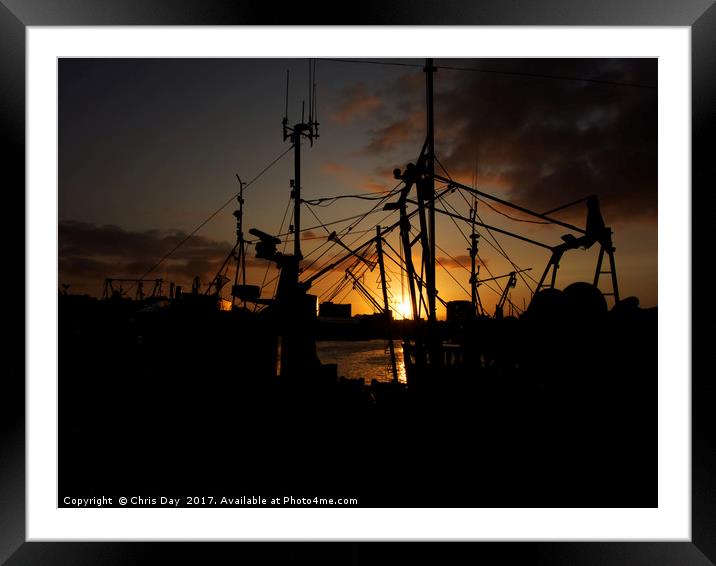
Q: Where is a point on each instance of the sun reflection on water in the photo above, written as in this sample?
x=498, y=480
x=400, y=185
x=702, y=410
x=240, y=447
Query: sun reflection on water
x=369, y=359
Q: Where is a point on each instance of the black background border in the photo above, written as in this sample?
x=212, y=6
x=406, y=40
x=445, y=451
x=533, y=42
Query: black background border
x=16, y=15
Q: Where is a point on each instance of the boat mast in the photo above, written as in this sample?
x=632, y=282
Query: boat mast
x=386, y=306
x=240, y=244
x=308, y=130
x=477, y=309
x=429, y=70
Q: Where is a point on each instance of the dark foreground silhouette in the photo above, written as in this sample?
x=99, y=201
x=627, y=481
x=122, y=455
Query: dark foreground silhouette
x=557, y=409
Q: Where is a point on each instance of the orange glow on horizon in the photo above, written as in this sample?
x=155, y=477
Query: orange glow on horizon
x=403, y=309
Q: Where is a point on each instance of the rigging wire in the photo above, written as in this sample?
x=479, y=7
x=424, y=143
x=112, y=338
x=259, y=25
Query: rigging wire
x=283, y=251
x=324, y=252
x=452, y=277
x=330, y=223
x=213, y=214
x=331, y=200
x=332, y=291
x=482, y=262
x=310, y=209
x=546, y=76
x=502, y=250
x=268, y=263
x=499, y=249
x=263, y=286
x=345, y=280
x=445, y=202
x=349, y=228
x=495, y=246
x=482, y=283
x=468, y=241
x=459, y=264
x=491, y=207
x=403, y=270
x=496, y=72
x=520, y=272
x=343, y=230
x=350, y=289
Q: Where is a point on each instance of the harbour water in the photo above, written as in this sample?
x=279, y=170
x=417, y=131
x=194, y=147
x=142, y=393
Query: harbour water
x=369, y=359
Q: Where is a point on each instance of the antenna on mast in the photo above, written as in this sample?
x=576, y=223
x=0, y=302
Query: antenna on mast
x=296, y=133
x=240, y=247
x=285, y=113
x=310, y=89
x=315, y=101
x=312, y=107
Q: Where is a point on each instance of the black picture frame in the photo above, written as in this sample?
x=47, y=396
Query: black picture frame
x=16, y=15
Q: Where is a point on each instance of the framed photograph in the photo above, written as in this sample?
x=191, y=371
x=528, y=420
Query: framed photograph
x=408, y=277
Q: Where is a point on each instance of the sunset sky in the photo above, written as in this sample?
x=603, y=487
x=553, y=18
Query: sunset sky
x=149, y=149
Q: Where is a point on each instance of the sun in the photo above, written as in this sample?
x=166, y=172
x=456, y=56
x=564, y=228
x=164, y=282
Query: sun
x=403, y=309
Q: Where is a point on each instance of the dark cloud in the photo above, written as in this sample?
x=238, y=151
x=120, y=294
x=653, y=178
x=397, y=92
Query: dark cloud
x=555, y=141
x=543, y=141
x=337, y=169
x=356, y=102
x=400, y=121
x=83, y=267
x=355, y=179
x=89, y=240
x=89, y=253
x=388, y=138
x=372, y=186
